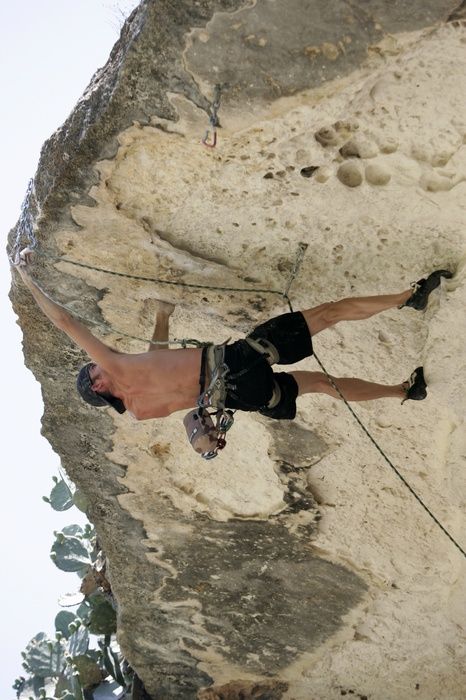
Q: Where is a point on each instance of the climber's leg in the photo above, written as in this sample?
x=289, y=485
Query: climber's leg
x=162, y=321
x=351, y=388
x=351, y=309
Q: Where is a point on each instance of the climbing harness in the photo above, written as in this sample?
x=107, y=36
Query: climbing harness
x=205, y=437
x=213, y=120
x=264, y=347
x=216, y=370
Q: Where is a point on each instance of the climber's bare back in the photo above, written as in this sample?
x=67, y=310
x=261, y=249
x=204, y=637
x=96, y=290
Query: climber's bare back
x=156, y=384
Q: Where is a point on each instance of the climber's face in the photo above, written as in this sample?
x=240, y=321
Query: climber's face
x=99, y=378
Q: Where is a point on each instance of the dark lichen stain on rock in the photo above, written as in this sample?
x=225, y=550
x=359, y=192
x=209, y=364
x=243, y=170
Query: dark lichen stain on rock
x=277, y=599
x=245, y=690
x=295, y=445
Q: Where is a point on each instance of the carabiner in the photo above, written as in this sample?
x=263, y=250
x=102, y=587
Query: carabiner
x=205, y=140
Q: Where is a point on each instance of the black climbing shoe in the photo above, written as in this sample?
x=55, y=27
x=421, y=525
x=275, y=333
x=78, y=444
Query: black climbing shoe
x=422, y=289
x=415, y=387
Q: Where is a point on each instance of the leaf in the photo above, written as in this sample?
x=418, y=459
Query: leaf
x=70, y=554
x=70, y=600
x=61, y=497
x=63, y=686
x=62, y=620
x=77, y=687
x=73, y=530
x=45, y=658
x=84, y=611
x=112, y=663
x=80, y=501
x=32, y=687
x=78, y=642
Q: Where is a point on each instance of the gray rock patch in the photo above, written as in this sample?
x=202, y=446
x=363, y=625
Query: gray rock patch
x=277, y=599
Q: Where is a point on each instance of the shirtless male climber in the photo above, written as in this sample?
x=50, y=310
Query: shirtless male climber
x=149, y=385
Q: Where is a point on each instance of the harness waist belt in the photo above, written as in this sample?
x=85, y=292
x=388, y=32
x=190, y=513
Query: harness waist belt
x=215, y=372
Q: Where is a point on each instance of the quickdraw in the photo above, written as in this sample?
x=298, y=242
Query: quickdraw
x=205, y=437
x=213, y=120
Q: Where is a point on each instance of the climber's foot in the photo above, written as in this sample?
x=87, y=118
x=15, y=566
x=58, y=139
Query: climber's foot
x=415, y=387
x=165, y=307
x=423, y=287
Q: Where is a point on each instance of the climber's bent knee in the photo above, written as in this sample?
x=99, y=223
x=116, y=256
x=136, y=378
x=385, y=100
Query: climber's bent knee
x=311, y=382
x=321, y=317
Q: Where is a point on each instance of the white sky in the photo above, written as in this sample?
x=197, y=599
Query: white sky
x=49, y=49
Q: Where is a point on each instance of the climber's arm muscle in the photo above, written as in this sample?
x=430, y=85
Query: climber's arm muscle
x=99, y=352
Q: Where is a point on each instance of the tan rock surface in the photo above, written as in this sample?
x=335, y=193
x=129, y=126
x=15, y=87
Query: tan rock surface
x=223, y=576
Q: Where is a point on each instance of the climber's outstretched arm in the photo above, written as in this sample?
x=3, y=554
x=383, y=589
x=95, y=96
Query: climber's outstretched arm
x=162, y=322
x=100, y=353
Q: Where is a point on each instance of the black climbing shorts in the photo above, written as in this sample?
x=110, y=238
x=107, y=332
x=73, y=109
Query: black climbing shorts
x=290, y=336
x=253, y=382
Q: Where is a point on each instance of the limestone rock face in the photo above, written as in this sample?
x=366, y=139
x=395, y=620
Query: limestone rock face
x=296, y=564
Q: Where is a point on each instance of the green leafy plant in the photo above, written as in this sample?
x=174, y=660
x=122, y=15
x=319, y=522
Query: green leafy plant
x=74, y=549
x=84, y=654
x=64, y=496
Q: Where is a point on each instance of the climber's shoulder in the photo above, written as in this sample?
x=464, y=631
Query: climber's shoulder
x=99, y=352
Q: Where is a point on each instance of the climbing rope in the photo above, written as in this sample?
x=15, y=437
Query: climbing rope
x=184, y=342
x=297, y=264
x=127, y=275
x=390, y=463
x=380, y=450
